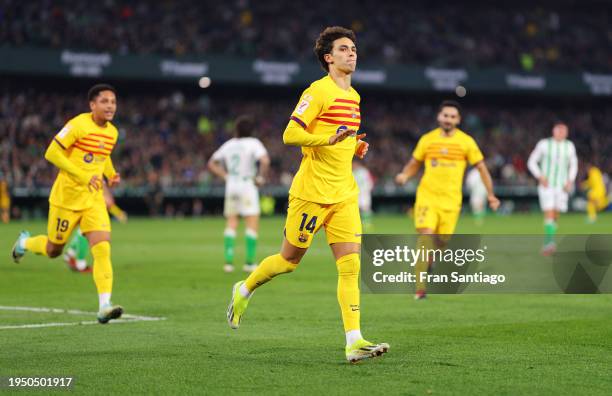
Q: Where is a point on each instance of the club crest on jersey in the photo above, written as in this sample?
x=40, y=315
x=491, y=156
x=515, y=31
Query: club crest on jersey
x=303, y=237
x=341, y=128
x=434, y=162
x=88, y=157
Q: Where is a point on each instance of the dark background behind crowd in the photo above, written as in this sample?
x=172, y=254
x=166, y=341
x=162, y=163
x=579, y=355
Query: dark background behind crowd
x=522, y=35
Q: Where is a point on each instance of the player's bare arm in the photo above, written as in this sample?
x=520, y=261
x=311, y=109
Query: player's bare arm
x=343, y=134
x=217, y=169
x=409, y=170
x=114, y=180
x=264, y=166
x=488, y=182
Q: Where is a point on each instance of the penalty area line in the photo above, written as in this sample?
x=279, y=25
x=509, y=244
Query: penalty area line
x=126, y=318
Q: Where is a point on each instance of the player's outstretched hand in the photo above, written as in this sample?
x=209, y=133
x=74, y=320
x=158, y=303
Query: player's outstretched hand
x=493, y=202
x=113, y=181
x=362, y=147
x=341, y=135
x=401, y=179
x=95, y=183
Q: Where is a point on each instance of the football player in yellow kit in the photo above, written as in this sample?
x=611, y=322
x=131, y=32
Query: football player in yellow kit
x=81, y=151
x=446, y=151
x=324, y=192
x=5, y=200
x=597, y=195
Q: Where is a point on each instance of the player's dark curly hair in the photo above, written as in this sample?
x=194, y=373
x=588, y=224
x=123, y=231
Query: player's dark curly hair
x=245, y=126
x=325, y=42
x=450, y=103
x=94, y=91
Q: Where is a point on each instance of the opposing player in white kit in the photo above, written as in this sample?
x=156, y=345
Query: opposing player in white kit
x=478, y=195
x=236, y=163
x=365, y=182
x=555, y=164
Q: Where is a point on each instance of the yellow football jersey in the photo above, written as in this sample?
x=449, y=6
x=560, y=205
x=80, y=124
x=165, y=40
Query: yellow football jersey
x=88, y=146
x=325, y=175
x=445, y=158
x=595, y=183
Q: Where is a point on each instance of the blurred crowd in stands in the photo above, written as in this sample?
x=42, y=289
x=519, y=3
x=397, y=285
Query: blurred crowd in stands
x=564, y=35
x=166, y=140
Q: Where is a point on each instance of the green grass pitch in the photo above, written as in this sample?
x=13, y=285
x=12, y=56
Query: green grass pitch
x=291, y=338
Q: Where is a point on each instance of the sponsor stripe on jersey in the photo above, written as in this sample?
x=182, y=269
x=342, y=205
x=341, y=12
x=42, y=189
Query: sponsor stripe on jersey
x=341, y=115
x=112, y=140
x=356, y=109
x=91, y=146
x=96, y=141
x=88, y=150
x=345, y=101
x=338, y=122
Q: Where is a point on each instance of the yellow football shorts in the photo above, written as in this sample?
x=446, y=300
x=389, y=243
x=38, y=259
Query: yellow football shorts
x=341, y=221
x=62, y=221
x=441, y=221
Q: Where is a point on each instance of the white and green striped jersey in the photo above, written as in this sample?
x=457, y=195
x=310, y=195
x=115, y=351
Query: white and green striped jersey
x=556, y=160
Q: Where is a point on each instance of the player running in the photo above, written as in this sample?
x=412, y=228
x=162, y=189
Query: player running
x=446, y=152
x=5, y=200
x=596, y=192
x=236, y=163
x=555, y=164
x=81, y=151
x=323, y=193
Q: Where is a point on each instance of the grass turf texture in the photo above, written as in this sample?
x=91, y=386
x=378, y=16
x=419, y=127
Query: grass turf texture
x=291, y=337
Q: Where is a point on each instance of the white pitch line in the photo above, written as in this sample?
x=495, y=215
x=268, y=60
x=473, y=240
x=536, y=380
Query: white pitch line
x=127, y=318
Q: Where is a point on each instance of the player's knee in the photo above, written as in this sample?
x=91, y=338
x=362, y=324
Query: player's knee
x=348, y=265
x=292, y=253
x=54, y=250
x=292, y=257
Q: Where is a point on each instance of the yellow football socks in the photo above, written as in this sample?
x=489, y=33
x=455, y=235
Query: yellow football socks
x=424, y=242
x=37, y=244
x=102, y=268
x=348, y=290
x=268, y=269
x=592, y=210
